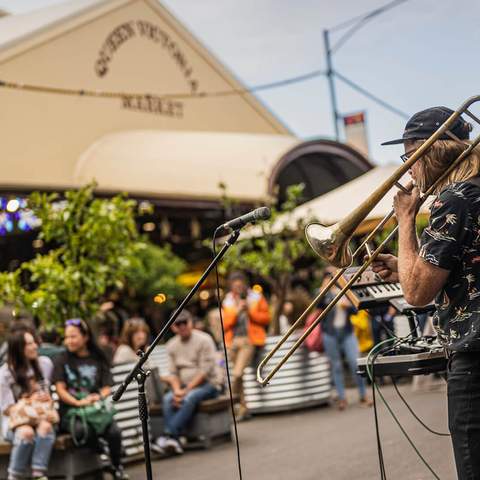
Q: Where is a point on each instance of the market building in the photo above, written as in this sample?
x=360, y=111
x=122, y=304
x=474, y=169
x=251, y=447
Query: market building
x=142, y=107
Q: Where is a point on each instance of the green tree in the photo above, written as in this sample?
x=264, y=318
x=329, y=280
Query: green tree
x=154, y=271
x=93, y=247
x=274, y=254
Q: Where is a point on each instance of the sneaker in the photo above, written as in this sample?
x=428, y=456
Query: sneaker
x=172, y=445
x=366, y=402
x=120, y=474
x=36, y=475
x=158, y=445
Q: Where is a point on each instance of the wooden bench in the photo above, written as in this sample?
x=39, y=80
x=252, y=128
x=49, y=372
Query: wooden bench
x=211, y=422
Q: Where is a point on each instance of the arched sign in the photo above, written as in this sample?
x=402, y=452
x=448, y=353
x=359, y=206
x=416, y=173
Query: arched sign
x=147, y=30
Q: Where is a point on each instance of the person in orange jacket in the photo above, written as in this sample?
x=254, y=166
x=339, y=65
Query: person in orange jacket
x=245, y=316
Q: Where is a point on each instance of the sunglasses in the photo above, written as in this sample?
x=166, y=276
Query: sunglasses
x=181, y=322
x=405, y=156
x=76, y=322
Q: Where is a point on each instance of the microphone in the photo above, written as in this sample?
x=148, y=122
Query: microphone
x=262, y=213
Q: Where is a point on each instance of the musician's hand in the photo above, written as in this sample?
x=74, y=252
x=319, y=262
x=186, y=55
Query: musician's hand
x=386, y=266
x=406, y=205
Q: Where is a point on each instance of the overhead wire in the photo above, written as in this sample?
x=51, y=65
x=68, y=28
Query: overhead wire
x=366, y=16
x=371, y=96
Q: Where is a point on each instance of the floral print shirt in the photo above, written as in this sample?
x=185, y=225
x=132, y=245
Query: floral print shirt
x=452, y=241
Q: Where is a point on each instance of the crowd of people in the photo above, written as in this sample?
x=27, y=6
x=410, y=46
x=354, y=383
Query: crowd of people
x=79, y=370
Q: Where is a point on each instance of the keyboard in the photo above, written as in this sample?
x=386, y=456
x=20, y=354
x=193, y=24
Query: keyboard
x=369, y=290
x=406, y=364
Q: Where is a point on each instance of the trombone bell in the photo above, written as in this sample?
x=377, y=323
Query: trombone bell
x=330, y=244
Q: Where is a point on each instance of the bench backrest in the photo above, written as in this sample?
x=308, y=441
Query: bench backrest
x=127, y=416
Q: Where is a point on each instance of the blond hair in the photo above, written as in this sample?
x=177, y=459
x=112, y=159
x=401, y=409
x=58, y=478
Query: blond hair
x=439, y=157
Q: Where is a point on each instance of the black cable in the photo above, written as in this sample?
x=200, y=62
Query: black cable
x=232, y=406
x=440, y=434
x=371, y=96
x=410, y=441
x=383, y=474
x=381, y=462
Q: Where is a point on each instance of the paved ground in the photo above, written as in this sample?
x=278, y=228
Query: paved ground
x=324, y=443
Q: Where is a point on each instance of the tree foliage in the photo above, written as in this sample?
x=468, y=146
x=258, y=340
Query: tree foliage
x=154, y=270
x=93, y=247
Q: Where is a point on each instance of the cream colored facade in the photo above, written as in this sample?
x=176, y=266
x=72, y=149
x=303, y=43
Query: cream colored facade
x=131, y=46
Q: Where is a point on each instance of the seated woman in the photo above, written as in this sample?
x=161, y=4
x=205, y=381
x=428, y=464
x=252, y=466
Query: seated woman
x=26, y=376
x=134, y=337
x=82, y=377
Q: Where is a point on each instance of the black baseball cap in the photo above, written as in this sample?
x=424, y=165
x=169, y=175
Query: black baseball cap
x=424, y=124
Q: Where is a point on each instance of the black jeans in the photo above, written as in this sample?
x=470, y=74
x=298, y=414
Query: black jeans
x=464, y=413
x=113, y=437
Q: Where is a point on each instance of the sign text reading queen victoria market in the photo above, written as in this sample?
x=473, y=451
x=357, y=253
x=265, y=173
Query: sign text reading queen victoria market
x=154, y=33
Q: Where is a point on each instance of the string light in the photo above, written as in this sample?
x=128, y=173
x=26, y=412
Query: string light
x=179, y=96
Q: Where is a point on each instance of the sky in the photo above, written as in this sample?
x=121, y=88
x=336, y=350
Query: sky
x=419, y=54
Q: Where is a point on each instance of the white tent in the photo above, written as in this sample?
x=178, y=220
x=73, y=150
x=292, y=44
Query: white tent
x=337, y=204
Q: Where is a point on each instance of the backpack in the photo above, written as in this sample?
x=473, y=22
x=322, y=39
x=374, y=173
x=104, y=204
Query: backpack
x=314, y=342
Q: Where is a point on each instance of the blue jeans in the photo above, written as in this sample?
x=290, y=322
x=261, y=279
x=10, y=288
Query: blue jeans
x=334, y=345
x=176, y=419
x=26, y=453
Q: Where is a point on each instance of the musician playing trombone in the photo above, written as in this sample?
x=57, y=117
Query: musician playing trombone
x=444, y=265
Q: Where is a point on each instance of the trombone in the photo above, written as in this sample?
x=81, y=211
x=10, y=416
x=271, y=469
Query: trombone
x=332, y=243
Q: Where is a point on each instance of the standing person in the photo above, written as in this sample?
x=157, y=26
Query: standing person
x=50, y=345
x=82, y=377
x=134, y=337
x=24, y=376
x=192, y=376
x=338, y=338
x=445, y=266
x=245, y=317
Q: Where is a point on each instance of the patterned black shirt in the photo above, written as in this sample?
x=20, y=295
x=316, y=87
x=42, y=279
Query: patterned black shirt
x=452, y=241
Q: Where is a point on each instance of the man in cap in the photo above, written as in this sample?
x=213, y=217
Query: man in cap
x=192, y=376
x=445, y=265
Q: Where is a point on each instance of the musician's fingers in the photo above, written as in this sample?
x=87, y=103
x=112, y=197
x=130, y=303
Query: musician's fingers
x=385, y=273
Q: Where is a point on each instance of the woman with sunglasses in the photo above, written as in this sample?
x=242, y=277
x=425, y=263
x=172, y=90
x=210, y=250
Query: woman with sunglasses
x=82, y=377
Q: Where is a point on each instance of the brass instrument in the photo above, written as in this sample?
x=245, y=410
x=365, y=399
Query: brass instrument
x=331, y=243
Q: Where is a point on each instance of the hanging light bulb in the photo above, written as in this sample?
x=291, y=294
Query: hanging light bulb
x=165, y=228
x=195, y=228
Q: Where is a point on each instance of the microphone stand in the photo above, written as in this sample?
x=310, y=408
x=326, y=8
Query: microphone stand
x=141, y=375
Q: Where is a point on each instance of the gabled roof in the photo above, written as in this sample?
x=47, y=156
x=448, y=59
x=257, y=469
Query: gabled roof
x=141, y=48
x=15, y=28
